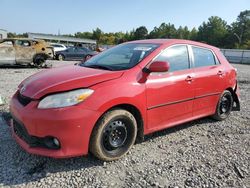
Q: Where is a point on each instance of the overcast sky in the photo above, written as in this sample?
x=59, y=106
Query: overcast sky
x=71, y=16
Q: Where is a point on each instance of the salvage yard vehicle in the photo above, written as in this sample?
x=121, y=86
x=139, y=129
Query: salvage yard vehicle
x=103, y=105
x=58, y=47
x=75, y=53
x=24, y=51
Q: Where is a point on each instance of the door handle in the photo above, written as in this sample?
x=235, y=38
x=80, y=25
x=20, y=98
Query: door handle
x=189, y=79
x=220, y=72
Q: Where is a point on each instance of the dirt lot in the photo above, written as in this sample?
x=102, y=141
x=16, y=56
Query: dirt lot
x=202, y=153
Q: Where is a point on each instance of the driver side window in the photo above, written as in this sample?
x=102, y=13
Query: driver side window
x=176, y=56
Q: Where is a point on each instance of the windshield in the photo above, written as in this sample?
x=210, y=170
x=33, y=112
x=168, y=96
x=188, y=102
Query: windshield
x=121, y=57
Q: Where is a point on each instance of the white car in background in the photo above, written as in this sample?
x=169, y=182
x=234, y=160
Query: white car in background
x=58, y=47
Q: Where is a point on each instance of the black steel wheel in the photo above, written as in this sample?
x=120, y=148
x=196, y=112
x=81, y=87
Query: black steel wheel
x=224, y=106
x=114, y=135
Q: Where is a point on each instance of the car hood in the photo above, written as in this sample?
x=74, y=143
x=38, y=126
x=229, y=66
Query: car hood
x=63, y=79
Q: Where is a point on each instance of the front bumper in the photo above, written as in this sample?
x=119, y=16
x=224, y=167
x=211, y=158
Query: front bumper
x=72, y=126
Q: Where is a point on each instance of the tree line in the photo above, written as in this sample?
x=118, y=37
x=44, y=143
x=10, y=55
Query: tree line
x=214, y=31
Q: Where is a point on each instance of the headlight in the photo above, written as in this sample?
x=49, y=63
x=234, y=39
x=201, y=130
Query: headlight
x=65, y=99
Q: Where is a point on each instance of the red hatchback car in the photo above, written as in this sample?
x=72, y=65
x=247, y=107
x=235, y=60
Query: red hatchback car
x=120, y=95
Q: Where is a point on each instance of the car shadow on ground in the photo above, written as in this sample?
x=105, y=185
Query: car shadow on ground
x=177, y=128
x=31, y=168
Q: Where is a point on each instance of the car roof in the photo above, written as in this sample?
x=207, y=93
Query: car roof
x=173, y=41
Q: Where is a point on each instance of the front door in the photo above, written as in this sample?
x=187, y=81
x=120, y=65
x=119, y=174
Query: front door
x=170, y=95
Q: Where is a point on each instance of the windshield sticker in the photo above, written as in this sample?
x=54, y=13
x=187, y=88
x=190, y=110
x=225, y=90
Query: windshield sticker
x=143, y=48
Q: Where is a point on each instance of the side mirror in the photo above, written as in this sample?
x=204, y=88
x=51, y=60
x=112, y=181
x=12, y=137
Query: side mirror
x=159, y=66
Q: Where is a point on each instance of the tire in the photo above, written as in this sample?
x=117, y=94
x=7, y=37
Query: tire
x=39, y=60
x=224, y=106
x=114, y=135
x=60, y=57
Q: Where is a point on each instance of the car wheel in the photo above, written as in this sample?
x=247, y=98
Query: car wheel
x=113, y=135
x=39, y=60
x=60, y=57
x=224, y=106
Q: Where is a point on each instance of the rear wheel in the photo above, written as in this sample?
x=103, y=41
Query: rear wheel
x=224, y=106
x=113, y=135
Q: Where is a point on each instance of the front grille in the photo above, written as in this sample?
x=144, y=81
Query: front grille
x=22, y=99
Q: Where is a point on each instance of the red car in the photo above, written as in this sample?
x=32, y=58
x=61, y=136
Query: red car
x=103, y=105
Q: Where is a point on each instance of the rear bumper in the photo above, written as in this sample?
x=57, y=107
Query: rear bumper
x=72, y=126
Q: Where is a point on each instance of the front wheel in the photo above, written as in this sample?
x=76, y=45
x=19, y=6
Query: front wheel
x=113, y=135
x=224, y=106
x=60, y=57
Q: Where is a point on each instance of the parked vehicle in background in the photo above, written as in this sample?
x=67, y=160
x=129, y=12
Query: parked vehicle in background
x=23, y=51
x=121, y=94
x=58, y=47
x=75, y=53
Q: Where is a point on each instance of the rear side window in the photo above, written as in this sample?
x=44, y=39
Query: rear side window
x=24, y=43
x=176, y=56
x=203, y=57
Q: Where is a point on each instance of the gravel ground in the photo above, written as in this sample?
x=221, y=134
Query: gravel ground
x=202, y=153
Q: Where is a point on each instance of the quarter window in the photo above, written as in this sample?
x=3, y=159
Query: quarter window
x=176, y=56
x=203, y=57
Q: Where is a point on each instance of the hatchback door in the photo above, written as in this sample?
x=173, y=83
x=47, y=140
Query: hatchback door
x=170, y=95
x=7, y=53
x=209, y=81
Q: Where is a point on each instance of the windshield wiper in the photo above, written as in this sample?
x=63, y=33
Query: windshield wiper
x=99, y=67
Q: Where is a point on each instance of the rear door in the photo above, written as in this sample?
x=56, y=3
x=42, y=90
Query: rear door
x=209, y=81
x=7, y=52
x=170, y=95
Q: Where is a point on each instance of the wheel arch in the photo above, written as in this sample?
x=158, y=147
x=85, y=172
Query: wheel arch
x=236, y=102
x=134, y=111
